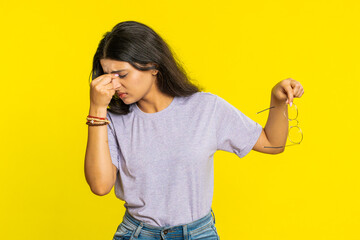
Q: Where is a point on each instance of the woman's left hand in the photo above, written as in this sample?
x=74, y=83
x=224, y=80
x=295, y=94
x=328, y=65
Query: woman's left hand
x=287, y=89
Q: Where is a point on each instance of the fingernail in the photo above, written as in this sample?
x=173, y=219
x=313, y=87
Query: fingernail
x=116, y=75
x=290, y=104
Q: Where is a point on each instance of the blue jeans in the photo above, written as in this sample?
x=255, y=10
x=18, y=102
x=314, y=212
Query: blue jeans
x=131, y=229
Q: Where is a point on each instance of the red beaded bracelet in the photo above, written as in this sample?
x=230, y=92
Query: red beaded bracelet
x=97, y=117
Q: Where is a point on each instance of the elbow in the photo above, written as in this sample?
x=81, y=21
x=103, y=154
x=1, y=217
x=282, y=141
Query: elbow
x=275, y=151
x=100, y=192
x=281, y=150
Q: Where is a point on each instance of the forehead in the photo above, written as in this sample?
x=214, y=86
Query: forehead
x=111, y=65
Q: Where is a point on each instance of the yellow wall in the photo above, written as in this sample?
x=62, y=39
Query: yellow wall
x=238, y=50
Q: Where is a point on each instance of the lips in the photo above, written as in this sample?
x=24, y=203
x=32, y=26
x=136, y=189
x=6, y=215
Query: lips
x=122, y=94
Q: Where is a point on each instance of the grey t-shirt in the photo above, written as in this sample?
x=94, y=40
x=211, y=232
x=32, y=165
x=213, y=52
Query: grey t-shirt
x=165, y=159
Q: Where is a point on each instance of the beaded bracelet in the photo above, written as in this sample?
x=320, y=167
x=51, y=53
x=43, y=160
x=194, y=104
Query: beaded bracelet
x=95, y=124
x=96, y=117
x=94, y=121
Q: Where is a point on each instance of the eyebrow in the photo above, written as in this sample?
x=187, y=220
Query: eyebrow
x=117, y=71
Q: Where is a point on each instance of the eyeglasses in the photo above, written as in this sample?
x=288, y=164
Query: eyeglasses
x=295, y=135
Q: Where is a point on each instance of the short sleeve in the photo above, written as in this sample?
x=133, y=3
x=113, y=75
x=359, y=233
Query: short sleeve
x=235, y=132
x=113, y=143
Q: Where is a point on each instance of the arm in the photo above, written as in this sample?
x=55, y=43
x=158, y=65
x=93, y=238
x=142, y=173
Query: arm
x=100, y=172
x=276, y=129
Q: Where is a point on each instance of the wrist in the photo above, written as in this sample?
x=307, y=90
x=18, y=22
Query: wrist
x=277, y=102
x=97, y=112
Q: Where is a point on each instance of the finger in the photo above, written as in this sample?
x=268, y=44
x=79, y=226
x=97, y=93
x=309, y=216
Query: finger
x=108, y=79
x=296, y=90
x=98, y=79
x=290, y=94
x=102, y=76
x=301, y=89
x=110, y=86
x=302, y=92
x=293, y=83
x=296, y=86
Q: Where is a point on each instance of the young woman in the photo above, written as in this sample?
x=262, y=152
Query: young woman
x=153, y=134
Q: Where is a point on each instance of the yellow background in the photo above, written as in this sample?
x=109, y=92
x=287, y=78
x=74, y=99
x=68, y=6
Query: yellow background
x=238, y=50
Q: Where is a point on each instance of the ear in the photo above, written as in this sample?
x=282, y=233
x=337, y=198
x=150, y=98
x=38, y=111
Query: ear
x=154, y=72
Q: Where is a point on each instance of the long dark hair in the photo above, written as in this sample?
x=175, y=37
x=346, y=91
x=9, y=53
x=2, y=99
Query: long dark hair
x=138, y=44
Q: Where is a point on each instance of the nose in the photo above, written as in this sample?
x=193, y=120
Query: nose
x=116, y=83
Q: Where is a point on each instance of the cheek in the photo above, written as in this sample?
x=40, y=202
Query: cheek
x=134, y=80
x=142, y=82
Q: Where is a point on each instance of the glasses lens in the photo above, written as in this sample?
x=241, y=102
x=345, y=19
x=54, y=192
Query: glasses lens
x=292, y=112
x=295, y=134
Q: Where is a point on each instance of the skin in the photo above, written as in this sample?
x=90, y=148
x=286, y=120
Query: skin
x=140, y=86
x=276, y=129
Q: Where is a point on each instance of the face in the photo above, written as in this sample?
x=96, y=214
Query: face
x=136, y=84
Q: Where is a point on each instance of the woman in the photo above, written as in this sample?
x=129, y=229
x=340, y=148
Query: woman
x=152, y=133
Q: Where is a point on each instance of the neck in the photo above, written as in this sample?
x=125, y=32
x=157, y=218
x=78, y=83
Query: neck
x=155, y=103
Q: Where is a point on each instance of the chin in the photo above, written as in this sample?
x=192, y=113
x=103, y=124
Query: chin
x=127, y=101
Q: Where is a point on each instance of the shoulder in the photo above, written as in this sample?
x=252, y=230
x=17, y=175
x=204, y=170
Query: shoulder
x=208, y=98
x=199, y=103
x=200, y=98
x=208, y=95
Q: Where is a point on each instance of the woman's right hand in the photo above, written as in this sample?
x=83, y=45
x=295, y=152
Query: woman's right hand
x=101, y=91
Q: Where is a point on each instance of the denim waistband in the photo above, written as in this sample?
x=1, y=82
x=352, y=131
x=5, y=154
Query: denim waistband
x=136, y=226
